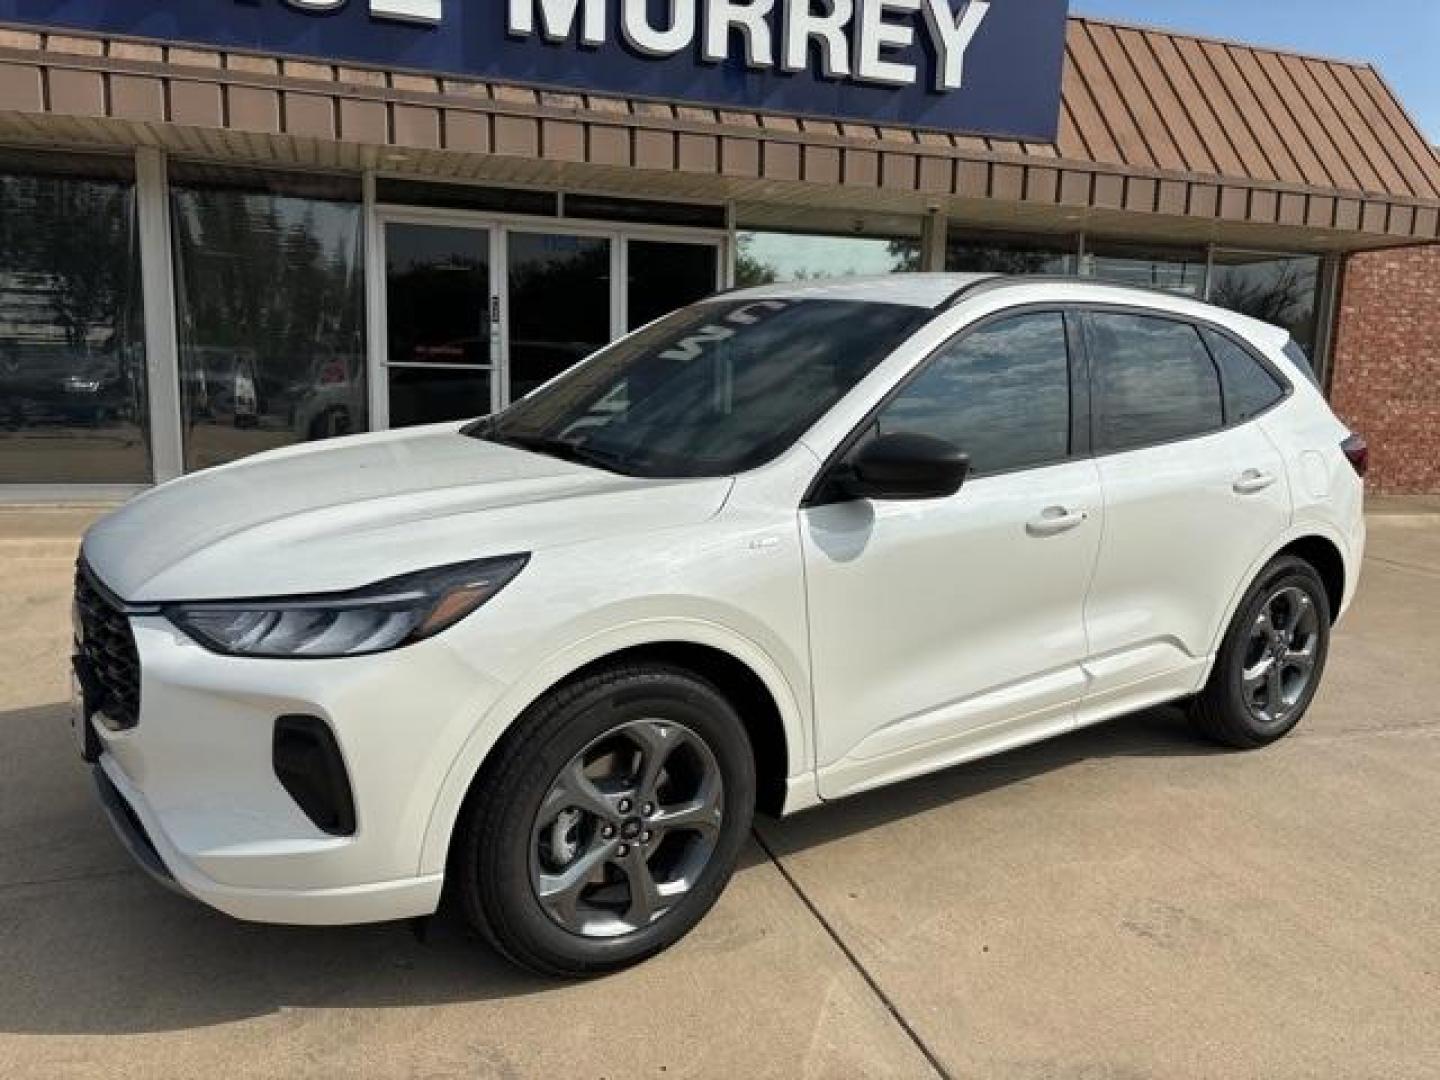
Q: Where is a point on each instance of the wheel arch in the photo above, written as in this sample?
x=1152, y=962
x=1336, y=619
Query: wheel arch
x=1316, y=545
x=1321, y=553
x=755, y=685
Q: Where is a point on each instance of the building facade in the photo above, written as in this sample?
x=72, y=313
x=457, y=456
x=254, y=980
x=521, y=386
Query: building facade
x=209, y=249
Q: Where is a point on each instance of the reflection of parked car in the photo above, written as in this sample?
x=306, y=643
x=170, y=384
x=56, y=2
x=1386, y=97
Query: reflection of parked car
x=221, y=382
x=330, y=401
x=52, y=384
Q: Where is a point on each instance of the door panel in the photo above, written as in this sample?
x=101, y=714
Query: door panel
x=1185, y=523
x=936, y=621
x=663, y=275
x=559, y=300
x=439, y=332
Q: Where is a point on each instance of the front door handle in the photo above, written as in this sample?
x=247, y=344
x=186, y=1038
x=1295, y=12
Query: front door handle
x=1251, y=481
x=1054, y=520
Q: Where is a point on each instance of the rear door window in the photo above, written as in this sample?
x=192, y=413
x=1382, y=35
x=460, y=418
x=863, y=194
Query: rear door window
x=1154, y=381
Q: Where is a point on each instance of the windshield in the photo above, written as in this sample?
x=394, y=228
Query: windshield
x=711, y=390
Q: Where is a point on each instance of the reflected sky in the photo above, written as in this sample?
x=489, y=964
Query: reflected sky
x=791, y=256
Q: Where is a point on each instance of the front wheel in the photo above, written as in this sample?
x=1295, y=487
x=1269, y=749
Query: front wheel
x=608, y=822
x=1270, y=663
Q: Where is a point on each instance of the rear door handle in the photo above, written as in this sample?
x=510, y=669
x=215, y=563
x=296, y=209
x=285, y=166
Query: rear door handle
x=1251, y=481
x=1054, y=520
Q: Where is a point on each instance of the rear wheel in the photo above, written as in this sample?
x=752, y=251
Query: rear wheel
x=1271, y=661
x=608, y=822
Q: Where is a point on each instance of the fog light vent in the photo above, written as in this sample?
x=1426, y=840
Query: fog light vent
x=308, y=765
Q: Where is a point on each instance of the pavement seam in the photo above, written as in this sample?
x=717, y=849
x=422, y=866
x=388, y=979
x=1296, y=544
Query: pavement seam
x=860, y=968
x=1426, y=570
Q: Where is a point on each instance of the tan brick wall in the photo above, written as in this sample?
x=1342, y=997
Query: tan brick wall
x=1386, y=382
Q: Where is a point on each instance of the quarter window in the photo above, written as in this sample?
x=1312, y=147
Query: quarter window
x=1155, y=381
x=1001, y=393
x=1249, y=388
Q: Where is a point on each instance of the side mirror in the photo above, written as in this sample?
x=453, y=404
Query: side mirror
x=904, y=465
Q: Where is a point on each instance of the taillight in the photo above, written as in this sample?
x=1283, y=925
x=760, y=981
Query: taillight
x=1357, y=452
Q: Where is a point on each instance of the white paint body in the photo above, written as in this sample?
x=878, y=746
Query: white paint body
x=895, y=637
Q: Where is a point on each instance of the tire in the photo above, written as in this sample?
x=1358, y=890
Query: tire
x=530, y=825
x=1247, y=703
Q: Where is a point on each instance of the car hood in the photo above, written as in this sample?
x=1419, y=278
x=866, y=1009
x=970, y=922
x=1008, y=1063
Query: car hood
x=340, y=514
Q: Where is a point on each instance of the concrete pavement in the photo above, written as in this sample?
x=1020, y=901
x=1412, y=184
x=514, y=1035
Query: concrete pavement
x=1124, y=902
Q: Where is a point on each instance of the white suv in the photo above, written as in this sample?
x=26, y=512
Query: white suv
x=778, y=547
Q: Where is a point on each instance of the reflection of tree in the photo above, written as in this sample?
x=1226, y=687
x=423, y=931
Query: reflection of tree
x=255, y=275
x=1281, y=292
x=904, y=256
x=748, y=269
x=72, y=238
x=985, y=259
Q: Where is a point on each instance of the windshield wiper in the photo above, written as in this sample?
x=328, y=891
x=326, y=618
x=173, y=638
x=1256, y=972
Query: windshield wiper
x=564, y=449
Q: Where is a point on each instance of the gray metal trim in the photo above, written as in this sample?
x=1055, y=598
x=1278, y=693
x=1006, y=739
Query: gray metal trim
x=157, y=283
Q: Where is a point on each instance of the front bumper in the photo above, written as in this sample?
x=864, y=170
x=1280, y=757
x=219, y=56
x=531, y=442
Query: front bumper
x=192, y=789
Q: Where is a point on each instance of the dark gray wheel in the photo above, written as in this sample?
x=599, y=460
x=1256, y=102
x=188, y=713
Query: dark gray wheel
x=1269, y=665
x=607, y=822
x=627, y=828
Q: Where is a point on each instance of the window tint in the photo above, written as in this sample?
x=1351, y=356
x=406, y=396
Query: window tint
x=1249, y=388
x=1155, y=381
x=1001, y=393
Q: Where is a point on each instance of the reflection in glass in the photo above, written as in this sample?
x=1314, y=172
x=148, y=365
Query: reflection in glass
x=1002, y=253
x=269, y=297
x=1001, y=394
x=1154, y=379
x=1178, y=270
x=765, y=257
x=1279, y=289
x=420, y=395
x=73, y=403
x=559, y=304
x=437, y=286
x=713, y=389
x=664, y=276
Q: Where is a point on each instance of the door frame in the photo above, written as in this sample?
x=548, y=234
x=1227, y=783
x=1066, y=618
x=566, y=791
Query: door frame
x=619, y=234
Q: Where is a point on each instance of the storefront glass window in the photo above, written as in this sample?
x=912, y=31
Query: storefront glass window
x=269, y=285
x=1001, y=253
x=1177, y=270
x=1279, y=289
x=665, y=275
x=765, y=257
x=73, y=403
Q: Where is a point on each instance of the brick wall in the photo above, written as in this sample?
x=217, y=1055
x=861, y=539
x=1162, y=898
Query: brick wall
x=1386, y=381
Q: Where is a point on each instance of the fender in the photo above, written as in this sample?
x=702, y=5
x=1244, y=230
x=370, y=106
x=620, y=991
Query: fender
x=565, y=662
x=1297, y=531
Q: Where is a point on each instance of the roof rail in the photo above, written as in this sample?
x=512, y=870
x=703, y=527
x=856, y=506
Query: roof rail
x=1000, y=281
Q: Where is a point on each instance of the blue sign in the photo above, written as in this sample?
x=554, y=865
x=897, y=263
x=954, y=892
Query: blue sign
x=981, y=66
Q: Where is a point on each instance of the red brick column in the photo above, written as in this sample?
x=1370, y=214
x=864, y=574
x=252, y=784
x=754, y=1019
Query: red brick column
x=1386, y=381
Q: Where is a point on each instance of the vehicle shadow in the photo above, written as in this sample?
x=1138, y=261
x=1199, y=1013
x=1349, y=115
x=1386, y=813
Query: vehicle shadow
x=1159, y=732
x=89, y=945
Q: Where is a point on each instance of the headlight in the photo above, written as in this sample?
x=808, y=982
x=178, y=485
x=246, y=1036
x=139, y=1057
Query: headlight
x=386, y=615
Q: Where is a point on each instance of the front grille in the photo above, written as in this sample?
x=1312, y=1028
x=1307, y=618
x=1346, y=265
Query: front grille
x=107, y=642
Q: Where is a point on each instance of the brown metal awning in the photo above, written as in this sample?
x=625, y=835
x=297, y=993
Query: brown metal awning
x=1160, y=133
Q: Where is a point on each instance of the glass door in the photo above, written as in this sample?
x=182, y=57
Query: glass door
x=442, y=334
x=559, y=300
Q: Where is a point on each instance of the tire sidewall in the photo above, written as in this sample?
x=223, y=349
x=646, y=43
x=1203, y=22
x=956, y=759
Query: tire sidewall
x=506, y=891
x=1283, y=573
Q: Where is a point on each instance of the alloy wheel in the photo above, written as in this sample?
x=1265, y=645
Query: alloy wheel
x=627, y=828
x=1280, y=656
